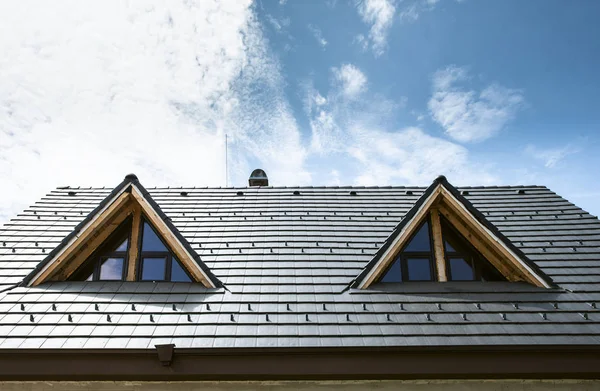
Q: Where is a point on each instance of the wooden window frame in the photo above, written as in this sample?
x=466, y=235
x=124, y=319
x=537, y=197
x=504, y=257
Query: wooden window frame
x=469, y=253
x=169, y=255
x=441, y=202
x=155, y=254
x=133, y=256
x=98, y=256
x=403, y=256
x=129, y=201
x=98, y=267
x=438, y=256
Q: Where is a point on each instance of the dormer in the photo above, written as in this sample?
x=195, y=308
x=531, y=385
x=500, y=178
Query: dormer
x=126, y=238
x=445, y=238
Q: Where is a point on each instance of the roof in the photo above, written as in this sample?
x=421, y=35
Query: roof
x=287, y=257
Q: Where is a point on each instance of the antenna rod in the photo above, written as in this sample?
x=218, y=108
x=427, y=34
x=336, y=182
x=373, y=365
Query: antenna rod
x=226, y=171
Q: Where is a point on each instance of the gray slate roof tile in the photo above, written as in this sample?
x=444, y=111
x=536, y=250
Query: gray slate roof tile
x=273, y=249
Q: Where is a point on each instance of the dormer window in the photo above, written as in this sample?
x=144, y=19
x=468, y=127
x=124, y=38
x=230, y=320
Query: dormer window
x=126, y=237
x=109, y=261
x=444, y=238
x=416, y=261
x=155, y=261
x=463, y=262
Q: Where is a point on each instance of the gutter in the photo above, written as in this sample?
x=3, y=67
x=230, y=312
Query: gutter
x=431, y=362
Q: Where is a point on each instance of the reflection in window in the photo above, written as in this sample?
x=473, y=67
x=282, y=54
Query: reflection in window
x=177, y=272
x=463, y=262
x=151, y=241
x=418, y=269
x=111, y=269
x=460, y=270
x=394, y=273
x=415, y=261
x=153, y=268
x=123, y=246
x=109, y=262
x=157, y=262
x=421, y=241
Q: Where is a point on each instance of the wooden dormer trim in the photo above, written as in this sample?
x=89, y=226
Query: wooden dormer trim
x=489, y=245
x=186, y=259
x=129, y=200
x=438, y=245
x=81, y=246
x=441, y=201
x=401, y=240
x=134, y=244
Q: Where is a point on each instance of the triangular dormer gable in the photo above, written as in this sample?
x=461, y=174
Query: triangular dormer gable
x=128, y=204
x=440, y=201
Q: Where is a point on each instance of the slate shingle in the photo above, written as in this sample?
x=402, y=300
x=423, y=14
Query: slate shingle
x=286, y=256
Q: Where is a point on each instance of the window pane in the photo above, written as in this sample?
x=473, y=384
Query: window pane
x=177, y=272
x=123, y=246
x=419, y=269
x=460, y=270
x=150, y=241
x=449, y=248
x=394, y=274
x=111, y=269
x=90, y=277
x=153, y=269
x=420, y=242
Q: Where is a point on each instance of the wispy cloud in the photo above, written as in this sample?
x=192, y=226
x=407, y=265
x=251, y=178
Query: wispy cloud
x=550, y=157
x=379, y=152
x=351, y=80
x=468, y=115
x=91, y=92
x=379, y=15
x=316, y=32
x=411, y=10
x=279, y=25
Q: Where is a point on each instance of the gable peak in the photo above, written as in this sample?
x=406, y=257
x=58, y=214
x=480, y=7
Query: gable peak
x=128, y=201
x=442, y=200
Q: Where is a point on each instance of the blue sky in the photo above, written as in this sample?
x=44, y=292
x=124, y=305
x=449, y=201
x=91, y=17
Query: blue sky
x=372, y=92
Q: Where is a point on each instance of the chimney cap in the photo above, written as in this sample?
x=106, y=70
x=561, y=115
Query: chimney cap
x=258, y=178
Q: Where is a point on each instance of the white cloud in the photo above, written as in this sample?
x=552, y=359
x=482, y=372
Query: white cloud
x=353, y=82
x=410, y=156
x=334, y=179
x=318, y=34
x=467, y=115
x=348, y=84
x=92, y=91
x=279, y=25
x=320, y=100
x=362, y=133
x=379, y=14
x=550, y=157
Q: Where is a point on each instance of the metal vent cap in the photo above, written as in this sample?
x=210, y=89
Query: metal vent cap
x=258, y=178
